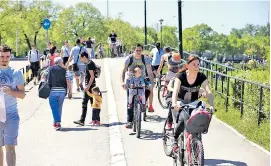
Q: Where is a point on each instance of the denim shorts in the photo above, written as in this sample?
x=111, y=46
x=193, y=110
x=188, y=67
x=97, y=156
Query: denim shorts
x=9, y=130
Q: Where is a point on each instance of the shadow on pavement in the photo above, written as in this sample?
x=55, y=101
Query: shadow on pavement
x=155, y=119
x=148, y=135
x=113, y=124
x=80, y=98
x=221, y=162
x=104, y=91
x=76, y=129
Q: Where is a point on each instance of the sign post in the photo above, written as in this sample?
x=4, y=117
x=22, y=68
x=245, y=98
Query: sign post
x=46, y=24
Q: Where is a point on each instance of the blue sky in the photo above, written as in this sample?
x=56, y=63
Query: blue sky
x=218, y=14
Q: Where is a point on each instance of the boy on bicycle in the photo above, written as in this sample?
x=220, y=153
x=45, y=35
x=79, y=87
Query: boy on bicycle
x=136, y=81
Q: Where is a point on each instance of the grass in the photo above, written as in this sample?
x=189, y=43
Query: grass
x=247, y=125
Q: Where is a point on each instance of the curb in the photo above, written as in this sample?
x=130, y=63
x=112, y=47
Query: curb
x=242, y=136
x=116, y=145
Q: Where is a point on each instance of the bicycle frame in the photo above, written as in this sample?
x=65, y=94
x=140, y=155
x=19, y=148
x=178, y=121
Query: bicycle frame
x=185, y=138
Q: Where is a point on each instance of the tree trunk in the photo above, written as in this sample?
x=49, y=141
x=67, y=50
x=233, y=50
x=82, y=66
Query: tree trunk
x=35, y=38
x=27, y=41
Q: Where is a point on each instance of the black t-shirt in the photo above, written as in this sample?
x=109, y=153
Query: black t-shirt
x=90, y=66
x=189, y=93
x=88, y=43
x=113, y=37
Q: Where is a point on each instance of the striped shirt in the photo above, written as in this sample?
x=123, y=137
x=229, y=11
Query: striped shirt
x=58, y=78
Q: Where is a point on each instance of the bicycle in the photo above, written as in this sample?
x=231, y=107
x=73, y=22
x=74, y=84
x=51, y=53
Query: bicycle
x=137, y=110
x=113, y=50
x=162, y=94
x=185, y=154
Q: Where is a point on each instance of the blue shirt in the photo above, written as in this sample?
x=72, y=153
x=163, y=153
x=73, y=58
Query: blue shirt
x=11, y=78
x=75, y=54
x=156, y=56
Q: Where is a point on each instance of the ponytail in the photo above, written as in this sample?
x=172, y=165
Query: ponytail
x=183, y=69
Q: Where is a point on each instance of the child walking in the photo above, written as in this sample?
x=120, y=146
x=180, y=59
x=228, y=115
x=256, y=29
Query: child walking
x=69, y=74
x=96, y=106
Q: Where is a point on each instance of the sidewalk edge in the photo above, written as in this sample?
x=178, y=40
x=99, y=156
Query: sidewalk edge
x=116, y=145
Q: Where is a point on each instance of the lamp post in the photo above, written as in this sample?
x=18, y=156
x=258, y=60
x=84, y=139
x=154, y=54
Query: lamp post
x=180, y=28
x=161, y=23
x=145, y=13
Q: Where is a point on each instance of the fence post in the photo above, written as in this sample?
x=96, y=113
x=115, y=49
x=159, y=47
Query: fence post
x=242, y=99
x=228, y=92
x=260, y=106
x=222, y=85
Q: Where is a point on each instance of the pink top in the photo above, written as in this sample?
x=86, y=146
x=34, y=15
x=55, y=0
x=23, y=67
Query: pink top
x=52, y=58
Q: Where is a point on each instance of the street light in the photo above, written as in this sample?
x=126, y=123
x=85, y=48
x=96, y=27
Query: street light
x=145, y=28
x=161, y=22
x=180, y=28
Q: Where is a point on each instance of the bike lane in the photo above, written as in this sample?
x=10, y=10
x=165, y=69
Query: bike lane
x=221, y=146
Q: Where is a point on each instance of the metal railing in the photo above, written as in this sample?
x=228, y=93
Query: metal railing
x=244, y=93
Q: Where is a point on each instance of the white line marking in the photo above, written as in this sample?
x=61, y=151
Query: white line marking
x=116, y=146
x=242, y=136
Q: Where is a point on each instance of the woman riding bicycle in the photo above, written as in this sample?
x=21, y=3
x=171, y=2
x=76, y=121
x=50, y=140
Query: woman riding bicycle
x=186, y=87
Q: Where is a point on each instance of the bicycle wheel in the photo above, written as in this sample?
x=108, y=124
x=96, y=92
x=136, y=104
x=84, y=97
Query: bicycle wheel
x=197, y=152
x=138, y=120
x=135, y=116
x=167, y=140
x=162, y=93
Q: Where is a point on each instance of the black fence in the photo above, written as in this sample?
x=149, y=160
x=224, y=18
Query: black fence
x=245, y=95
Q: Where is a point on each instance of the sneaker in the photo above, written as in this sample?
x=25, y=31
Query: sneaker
x=128, y=125
x=79, y=122
x=58, y=126
x=151, y=108
x=54, y=125
x=81, y=87
x=98, y=123
x=92, y=123
x=169, y=125
x=78, y=90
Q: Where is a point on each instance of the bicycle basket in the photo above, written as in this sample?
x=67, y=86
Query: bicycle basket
x=198, y=121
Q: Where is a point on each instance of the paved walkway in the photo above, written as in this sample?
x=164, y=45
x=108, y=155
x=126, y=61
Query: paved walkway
x=40, y=145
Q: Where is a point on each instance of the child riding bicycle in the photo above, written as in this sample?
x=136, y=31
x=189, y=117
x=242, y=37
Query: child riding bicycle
x=136, y=81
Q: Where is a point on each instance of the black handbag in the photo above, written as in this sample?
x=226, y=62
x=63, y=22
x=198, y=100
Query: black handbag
x=75, y=66
x=44, y=88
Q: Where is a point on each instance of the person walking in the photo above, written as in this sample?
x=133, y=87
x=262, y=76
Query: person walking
x=12, y=87
x=34, y=61
x=65, y=52
x=78, y=66
x=60, y=84
x=89, y=84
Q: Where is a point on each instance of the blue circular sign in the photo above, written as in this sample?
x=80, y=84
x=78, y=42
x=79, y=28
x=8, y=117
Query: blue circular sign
x=46, y=24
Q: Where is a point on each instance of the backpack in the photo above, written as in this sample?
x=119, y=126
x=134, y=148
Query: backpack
x=143, y=61
x=97, y=70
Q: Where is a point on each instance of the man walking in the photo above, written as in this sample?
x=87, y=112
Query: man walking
x=77, y=64
x=12, y=87
x=89, y=84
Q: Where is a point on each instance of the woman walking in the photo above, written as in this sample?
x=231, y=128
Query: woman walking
x=60, y=84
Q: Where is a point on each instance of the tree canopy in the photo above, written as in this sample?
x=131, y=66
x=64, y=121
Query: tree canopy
x=84, y=20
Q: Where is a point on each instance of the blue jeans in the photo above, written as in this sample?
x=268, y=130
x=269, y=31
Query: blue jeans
x=56, y=100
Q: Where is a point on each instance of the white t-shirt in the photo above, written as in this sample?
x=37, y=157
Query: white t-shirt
x=33, y=55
